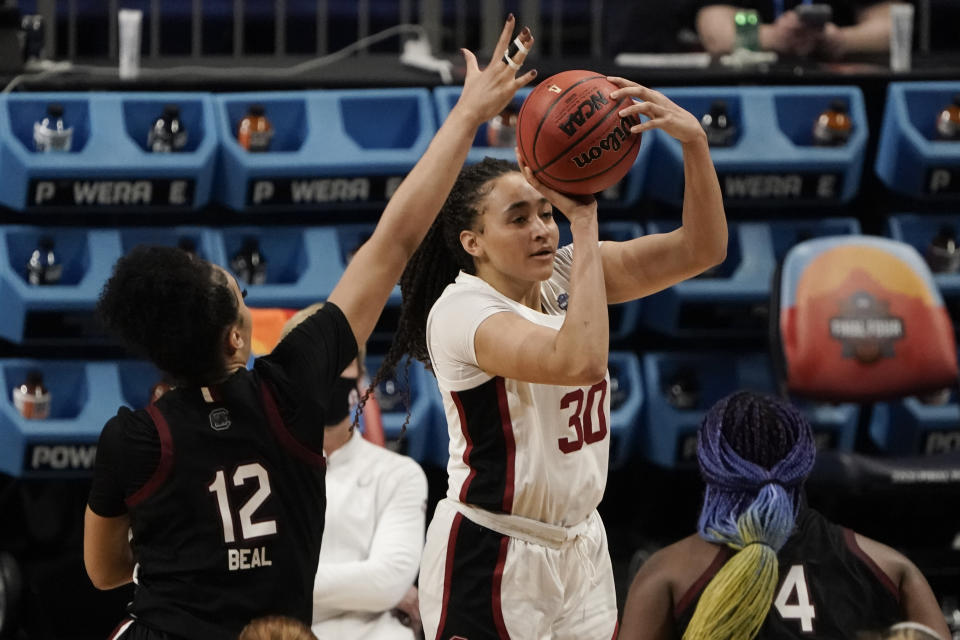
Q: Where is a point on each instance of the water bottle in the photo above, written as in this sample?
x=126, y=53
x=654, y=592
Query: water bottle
x=249, y=264
x=502, y=129
x=948, y=121
x=833, y=127
x=720, y=130
x=43, y=267
x=31, y=398
x=255, y=131
x=682, y=390
x=50, y=133
x=167, y=134
x=943, y=254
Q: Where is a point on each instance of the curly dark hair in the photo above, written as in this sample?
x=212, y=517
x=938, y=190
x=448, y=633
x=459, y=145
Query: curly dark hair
x=172, y=308
x=435, y=264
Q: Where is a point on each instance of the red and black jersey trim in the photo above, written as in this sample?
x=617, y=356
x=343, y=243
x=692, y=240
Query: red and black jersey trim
x=163, y=469
x=491, y=449
x=282, y=433
x=472, y=605
x=692, y=594
x=851, y=539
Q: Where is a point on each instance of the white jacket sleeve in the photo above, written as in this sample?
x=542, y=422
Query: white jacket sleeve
x=379, y=582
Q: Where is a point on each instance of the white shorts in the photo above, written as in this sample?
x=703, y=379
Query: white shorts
x=526, y=583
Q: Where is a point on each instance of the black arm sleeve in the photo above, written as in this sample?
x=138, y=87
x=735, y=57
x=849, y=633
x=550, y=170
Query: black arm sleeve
x=128, y=453
x=303, y=367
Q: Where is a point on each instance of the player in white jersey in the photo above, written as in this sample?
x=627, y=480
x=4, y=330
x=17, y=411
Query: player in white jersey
x=516, y=332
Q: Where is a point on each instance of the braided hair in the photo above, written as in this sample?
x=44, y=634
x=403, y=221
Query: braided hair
x=435, y=264
x=755, y=453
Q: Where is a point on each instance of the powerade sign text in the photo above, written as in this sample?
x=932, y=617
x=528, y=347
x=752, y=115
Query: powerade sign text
x=268, y=192
x=788, y=185
x=91, y=193
x=943, y=181
x=59, y=457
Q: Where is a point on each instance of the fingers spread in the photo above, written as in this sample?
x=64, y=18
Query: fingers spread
x=470, y=60
x=503, y=41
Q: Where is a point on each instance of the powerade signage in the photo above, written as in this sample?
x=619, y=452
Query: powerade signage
x=747, y=186
x=120, y=192
x=65, y=458
x=314, y=191
x=942, y=181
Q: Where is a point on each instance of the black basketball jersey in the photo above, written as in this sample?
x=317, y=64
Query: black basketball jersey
x=828, y=587
x=231, y=531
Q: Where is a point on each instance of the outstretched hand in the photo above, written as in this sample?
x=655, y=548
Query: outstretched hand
x=662, y=112
x=486, y=93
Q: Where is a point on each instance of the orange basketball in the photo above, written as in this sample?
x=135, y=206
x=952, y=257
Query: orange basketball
x=570, y=134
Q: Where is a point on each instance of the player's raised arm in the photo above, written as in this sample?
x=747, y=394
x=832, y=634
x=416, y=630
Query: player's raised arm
x=366, y=284
x=648, y=264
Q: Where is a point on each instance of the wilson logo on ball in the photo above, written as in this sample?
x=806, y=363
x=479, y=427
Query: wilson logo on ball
x=571, y=135
x=613, y=142
x=587, y=108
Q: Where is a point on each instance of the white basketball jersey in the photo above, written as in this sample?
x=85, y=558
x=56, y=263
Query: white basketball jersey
x=534, y=450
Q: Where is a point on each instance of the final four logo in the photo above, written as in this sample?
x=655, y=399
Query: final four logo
x=866, y=328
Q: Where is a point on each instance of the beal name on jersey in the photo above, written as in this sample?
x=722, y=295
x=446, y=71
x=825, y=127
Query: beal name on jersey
x=242, y=559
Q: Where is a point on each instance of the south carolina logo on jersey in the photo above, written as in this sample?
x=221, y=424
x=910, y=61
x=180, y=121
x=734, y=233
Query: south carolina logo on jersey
x=220, y=419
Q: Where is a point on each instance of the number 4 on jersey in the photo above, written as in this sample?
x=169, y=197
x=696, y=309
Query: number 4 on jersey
x=796, y=582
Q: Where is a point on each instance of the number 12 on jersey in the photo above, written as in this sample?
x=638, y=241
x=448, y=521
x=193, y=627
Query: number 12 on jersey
x=796, y=582
x=248, y=528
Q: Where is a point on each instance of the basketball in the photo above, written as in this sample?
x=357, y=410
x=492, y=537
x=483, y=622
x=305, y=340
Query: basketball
x=570, y=134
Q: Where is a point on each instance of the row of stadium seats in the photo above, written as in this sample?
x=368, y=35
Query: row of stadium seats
x=657, y=403
x=325, y=154
x=304, y=263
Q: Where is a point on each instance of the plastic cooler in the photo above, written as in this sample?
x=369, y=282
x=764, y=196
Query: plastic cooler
x=83, y=397
x=668, y=436
x=109, y=167
x=773, y=159
x=733, y=299
x=330, y=149
x=910, y=160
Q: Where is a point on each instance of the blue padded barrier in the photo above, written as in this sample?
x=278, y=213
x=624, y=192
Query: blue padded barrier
x=624, y=193
x=668, y=436
x=626, y=405
x=87, y=256
x=910, y=160
x=137, y=378
x=918, y=231
x=109, y=167
x=329, y=148
x=422, y=438
x=911, y=426
x=83, y=397
x=733, y=298
x=773, y=159
x=624, y=316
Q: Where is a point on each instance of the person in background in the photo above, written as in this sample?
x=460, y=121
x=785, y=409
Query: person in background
x=376, y=514
x=763, y=564
x=856, y=26
x=276, y=628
